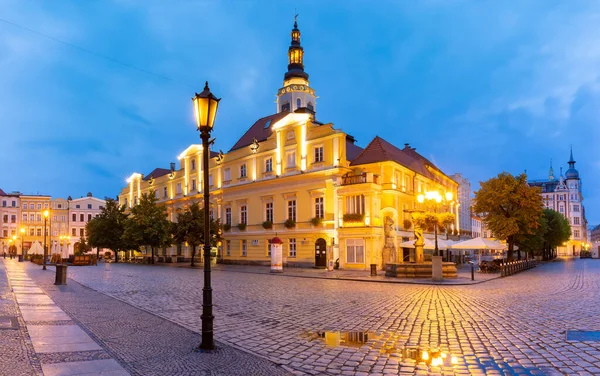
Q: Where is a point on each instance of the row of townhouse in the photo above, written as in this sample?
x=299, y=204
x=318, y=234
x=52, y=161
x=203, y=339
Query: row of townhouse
x=22, y=219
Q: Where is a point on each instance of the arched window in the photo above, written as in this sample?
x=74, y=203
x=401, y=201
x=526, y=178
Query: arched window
x=298, y=103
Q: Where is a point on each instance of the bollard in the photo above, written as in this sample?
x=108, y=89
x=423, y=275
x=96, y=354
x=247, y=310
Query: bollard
x=61, y=275
x=373, y=270
x=472, y=272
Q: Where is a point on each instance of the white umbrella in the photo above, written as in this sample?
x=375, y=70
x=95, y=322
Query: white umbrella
x=36, y=249
x=429, y=244
x=479, y=243
x=53, y=248
x=64, y=252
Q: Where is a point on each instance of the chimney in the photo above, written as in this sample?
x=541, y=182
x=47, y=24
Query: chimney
x=172, y=166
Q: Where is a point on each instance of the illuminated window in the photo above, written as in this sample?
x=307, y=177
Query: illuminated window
x=319, y=155
x=292, y=247
x=243, y=171
x=269, y=212
x=319, y=213
x=31, y=231
x=269, y=165
x=292, y=210
x=24, y=217
x=355, y=204
x=73, y=232
x=228, y=216
x=355, y=251
x=39, y=232
x=291, y=159
x=244, y=214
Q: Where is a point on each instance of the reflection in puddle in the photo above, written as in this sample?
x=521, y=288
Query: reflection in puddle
x=351, y=339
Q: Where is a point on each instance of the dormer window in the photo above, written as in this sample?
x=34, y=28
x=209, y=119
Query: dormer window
x=285, y=107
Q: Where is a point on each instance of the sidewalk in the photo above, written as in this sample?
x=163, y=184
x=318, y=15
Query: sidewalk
x=463, y=274
x=76, y=330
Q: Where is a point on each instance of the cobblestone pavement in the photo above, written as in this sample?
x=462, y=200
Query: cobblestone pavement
x=16, y=351
x=143, y=343
x=514, y=325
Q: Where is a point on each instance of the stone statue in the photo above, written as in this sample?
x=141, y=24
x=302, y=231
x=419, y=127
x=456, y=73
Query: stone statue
x=389, y=248
x=419, y=243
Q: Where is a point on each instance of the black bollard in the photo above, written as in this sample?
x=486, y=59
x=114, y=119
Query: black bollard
x=472, y=270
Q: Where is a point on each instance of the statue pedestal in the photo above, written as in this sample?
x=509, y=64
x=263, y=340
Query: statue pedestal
x=436, y=268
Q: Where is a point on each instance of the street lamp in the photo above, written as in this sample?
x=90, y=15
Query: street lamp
x=22, y=231
x=46, y=214
x=205, y=110
x=437, y=199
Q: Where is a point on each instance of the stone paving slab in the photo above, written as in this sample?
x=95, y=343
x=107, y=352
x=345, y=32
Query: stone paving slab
x=33, y=299
x=43, y=313
x=60, y=338
x=107, y=367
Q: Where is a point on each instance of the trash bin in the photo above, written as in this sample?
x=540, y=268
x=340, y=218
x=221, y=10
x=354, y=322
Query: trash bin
x=20, y=258
x=61, y=274
x=373, y=269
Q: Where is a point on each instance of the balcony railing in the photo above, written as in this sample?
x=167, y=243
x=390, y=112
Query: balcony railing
x=360, y=178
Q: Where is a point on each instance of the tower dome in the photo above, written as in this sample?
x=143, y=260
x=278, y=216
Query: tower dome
x=296, y=93
x=572, y=173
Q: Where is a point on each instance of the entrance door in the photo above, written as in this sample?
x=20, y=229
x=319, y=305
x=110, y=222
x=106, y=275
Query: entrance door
x=320, y=253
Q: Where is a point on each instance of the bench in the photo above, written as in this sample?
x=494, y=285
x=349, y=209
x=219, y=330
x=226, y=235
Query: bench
x=85, y=260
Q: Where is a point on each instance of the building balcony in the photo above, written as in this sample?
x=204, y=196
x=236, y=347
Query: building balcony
x=365, y=177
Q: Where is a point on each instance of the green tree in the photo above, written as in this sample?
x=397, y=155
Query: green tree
x=148, y=224
x=428, y=220
x=509, y=206
x=82, y=246
x=533, y=244
x=558, y=231
x=108, y=229
x=190, y=228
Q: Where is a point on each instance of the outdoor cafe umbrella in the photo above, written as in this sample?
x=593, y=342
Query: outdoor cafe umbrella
x=53, y=249
x=479, y=243
x=64, y=252
x=36, y=249
x=429, y=244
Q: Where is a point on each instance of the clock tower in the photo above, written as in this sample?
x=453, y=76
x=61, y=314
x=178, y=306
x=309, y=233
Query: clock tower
x=296, y=94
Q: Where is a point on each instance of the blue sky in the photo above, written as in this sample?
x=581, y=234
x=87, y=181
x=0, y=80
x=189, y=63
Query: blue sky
x=479, y=87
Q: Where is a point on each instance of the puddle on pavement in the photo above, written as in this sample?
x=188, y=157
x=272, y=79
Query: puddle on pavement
x=349, y=339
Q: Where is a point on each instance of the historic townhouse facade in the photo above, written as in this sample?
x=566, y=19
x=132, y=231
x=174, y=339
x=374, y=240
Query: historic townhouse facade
x=464, y=198
x=565, y=196
x=292, y=176
x=10, y=204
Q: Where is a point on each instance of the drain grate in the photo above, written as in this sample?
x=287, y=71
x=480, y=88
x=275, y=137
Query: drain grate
x=8, y=322
x=583, y=335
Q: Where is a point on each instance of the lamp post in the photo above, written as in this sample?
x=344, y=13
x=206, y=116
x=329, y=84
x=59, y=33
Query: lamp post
x=205, y=109
x=22, y=231
x=436, y=198
x=46, y=214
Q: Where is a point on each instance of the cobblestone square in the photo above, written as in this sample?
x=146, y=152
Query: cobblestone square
x=514, y=325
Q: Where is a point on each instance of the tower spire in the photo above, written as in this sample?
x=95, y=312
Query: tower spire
x=551, y=172
x=296, y=93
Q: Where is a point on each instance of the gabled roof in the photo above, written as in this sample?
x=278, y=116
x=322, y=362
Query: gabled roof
x=157, y=172
x=352, y=150
x=379, y=150
x=2, y=193
x=258, y=130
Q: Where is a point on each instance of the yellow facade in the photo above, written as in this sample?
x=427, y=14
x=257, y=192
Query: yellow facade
x=300, y=182
x=32, y=219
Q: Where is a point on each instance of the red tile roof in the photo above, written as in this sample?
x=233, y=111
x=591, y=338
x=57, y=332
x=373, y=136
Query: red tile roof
x=258, y=130
x=379, y=150
x=2, y=193
x=157, y=172
x=352, y=150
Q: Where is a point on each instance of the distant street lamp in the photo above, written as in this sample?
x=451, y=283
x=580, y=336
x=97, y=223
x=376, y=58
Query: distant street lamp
x=22, y=231
x=205, y=109
x=46, y=214
x=435, y=198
